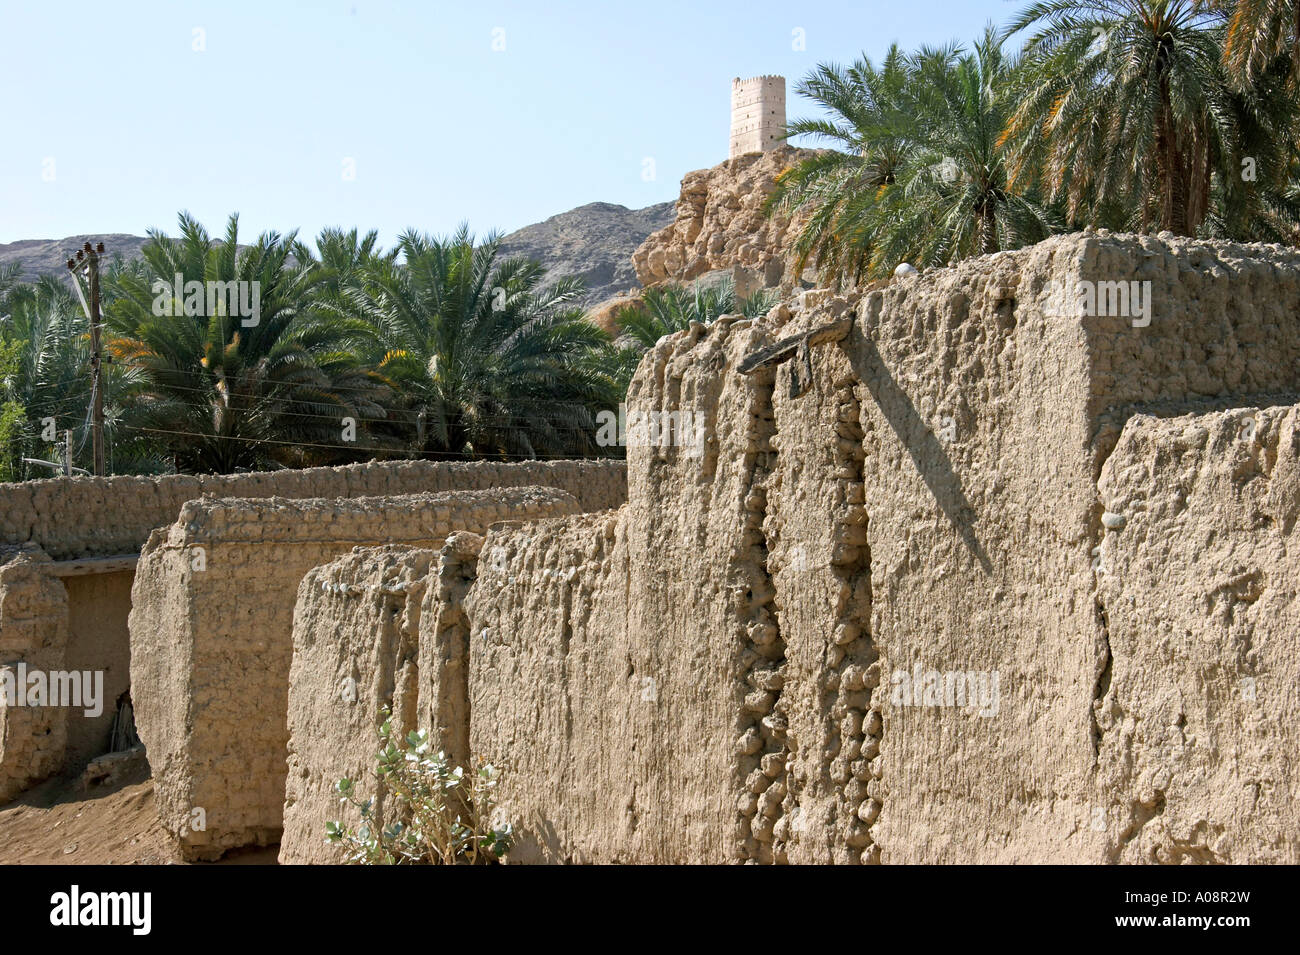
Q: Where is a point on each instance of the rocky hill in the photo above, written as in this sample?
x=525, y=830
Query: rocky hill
x=37, y=257
x=595, y=241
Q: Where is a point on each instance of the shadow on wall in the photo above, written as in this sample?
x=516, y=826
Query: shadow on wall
x=536, y=844
x=927, y=453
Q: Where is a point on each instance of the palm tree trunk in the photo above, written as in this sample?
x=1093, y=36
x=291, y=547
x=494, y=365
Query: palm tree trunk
x=1170, y=171
x=988, y=226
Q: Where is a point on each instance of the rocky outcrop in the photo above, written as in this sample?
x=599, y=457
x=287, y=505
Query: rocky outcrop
x=594, y=242
x=36, y=257
x=720, y=224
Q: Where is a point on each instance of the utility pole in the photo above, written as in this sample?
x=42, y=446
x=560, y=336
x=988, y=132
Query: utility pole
x=88, y=259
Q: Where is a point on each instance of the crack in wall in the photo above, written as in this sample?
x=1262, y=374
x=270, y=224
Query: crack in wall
x=448, y=712
x=1101, y=685
x=854, y=698
x=762, y=749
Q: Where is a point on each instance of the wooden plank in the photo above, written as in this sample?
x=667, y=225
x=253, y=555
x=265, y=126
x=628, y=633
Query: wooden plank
x=830, y=332
x=94, y=565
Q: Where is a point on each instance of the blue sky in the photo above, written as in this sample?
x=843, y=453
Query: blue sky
x=118, y=115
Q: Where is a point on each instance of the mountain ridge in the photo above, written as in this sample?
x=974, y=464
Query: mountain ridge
x=594, y=241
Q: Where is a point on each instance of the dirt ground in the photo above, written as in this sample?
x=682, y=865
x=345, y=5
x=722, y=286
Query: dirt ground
x=61, y=822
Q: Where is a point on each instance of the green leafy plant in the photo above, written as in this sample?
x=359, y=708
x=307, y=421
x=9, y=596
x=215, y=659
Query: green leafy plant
x=439, y=813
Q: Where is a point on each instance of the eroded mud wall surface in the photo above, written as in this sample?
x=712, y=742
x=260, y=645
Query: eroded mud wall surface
x=1199, y=707
x=355, y=648
x=868, y=595
x=212, y=634
x=555, y=689
x=33, y=636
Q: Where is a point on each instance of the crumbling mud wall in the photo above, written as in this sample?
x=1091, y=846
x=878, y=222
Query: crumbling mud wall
x=211, y=639
x=85, y=516
x=589, y=749
x=870, y=609
x=1198, y=709
x=443, y=661
x=33, y=637
x=355, y=648
x=62, y=626
x=93, y=526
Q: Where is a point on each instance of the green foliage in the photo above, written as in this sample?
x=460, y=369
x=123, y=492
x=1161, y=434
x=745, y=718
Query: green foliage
x=437, y=347
x=920, y=172
x=46, y=374
x=1261, y=34
x=486, y=360
x=1118, y=109
x=432, y=813
x=12, y=415
x=1136, y=115
x=221, y=392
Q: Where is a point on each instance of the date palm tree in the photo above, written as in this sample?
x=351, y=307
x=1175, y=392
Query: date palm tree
x=45, y=338
x=665, y=309
x=920, y=172
x=1259, y=34
x=1120, y=115
x=486, y=360
x=872, y=131
x=954, y=198
x=221, y=391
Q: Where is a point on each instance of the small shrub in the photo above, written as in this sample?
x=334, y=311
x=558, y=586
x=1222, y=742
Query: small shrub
x=440, y=813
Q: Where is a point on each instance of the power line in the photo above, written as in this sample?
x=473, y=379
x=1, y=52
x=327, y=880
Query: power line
x=338, y=447
x=456, y=418
x=404, y=416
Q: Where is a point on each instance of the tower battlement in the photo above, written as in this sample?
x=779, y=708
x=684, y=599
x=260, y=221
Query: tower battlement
x=757, y=114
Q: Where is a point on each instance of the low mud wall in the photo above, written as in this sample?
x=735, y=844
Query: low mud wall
x=85, y=516
x=212, y=636
x=957, y=571
x=355, y=651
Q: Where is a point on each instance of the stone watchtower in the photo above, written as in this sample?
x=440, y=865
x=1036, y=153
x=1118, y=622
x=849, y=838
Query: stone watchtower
x=757, y=114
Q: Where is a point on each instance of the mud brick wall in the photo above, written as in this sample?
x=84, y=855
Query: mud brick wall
x=1198, y=715
x=85, y=516
x=355, y=647
x=33, y=631
x=918, y=494
x=212, y=633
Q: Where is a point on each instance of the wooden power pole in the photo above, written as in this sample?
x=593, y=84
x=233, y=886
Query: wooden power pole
x=88, y=259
